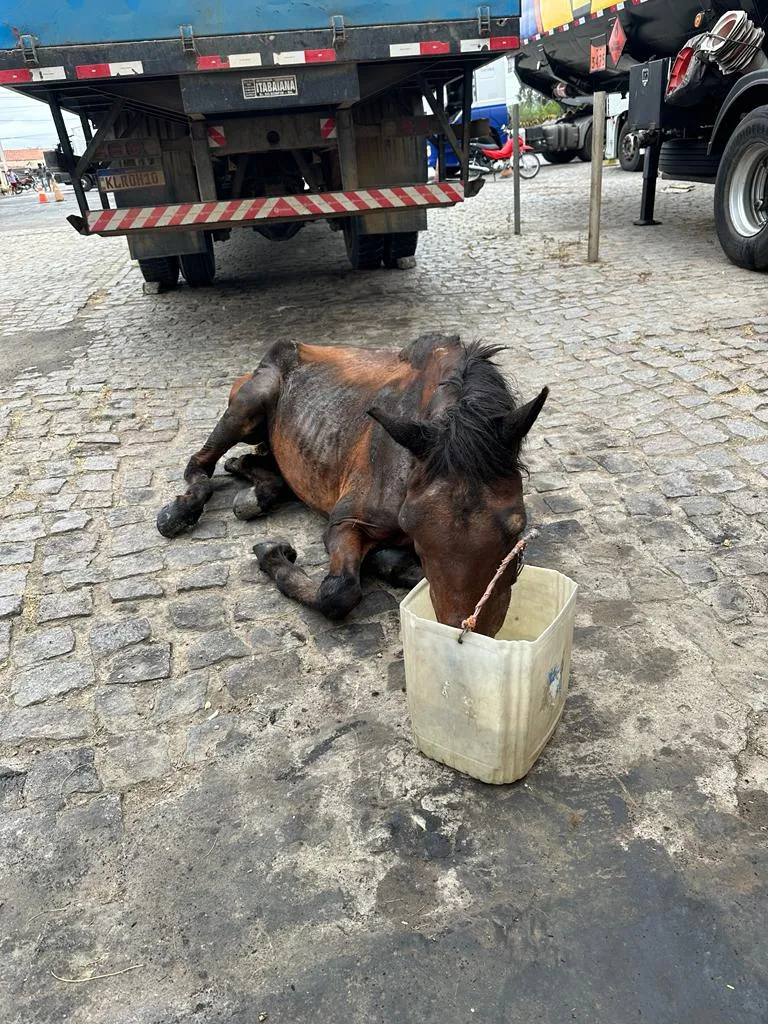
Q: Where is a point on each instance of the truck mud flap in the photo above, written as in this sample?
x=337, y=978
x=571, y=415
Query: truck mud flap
x=252, y=212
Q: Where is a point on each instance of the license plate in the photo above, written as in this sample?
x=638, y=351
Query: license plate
x=266, y=88
x=122, y=181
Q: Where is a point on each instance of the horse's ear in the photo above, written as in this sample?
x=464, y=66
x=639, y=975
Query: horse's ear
x=520, y=421
x=417, y=437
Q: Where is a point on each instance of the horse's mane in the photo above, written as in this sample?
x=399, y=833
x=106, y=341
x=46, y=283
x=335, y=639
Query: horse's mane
x=470, y=439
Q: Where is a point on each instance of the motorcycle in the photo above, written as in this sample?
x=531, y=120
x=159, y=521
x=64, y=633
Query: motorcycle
x=21, y=185
x=489, y=160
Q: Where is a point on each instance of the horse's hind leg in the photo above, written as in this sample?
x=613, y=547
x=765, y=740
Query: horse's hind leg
x=249, y=401
x=339, y=591
x=267, y=486
x=400, y=567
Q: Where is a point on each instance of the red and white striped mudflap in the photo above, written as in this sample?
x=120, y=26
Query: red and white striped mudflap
x=245, y=211
x=216, y=136
x=328, y=128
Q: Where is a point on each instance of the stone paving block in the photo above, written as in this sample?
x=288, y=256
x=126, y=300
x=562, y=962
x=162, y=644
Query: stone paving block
x=648, y=504
x=757, y=454
x=34, y=685
x=141, y=663
x=701, y=505
x=203, y=612
x=135, y=565
x=109, y=637
x=130, y=760
x=563, y=503
x=118, y=710
x=10, y=606
x=254, y=676
x=42, y=645
x=181, y=698
x=731, y=601
x=71, y=521
x=693, y=569
x=75, y=604
x=129, y=540
x=56, y=776
x=12, y=582
x=216, y=646
x=204, y=577
x=16, y=554
x=44, y=723
x=134, y=589
x=677, y=485
x=26, y=528
x=5, y=640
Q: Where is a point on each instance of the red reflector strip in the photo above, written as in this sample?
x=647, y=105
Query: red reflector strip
x=16, y=75
x=319, y=56
x=504, y=42
x=434, y=47
x=92, y=71
x=212, y=63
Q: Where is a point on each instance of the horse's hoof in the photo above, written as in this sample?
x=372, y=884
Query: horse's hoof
x=246, y=504
x=272, y=553
x=173, y=520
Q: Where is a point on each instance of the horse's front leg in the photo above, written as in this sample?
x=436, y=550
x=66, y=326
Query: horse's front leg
x=339, y=591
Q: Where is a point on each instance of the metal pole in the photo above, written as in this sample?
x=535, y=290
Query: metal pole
x=596, y=185
x=88, y=135
x=650, y=176
x=66, y=147
x=516, y=163
x=466, y=118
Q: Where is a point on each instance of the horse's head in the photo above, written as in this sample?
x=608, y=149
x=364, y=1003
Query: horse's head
x=464, y=503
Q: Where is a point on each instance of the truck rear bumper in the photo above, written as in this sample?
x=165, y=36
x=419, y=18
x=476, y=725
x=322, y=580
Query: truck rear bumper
x=252, y=212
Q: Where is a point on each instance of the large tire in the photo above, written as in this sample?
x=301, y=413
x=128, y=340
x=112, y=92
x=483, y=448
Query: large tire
x=162, y=270
x=630, y=152
x=560, y=156
x=365, y=252
x=399, y=246
x=687, y=158
x=585, y=152
x=199, y=268
x=741, y=193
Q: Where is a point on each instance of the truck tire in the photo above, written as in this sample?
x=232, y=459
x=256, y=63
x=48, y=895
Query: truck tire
x=199, y=268
x=630, y=152
x=741, y=211
x=684, y=158
x=585, y=151
x=399, y=246
x=365, y=252
x=162, y=270
x=559, y=156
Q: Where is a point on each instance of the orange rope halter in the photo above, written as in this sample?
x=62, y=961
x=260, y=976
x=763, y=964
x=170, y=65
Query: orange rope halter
x=469, y=624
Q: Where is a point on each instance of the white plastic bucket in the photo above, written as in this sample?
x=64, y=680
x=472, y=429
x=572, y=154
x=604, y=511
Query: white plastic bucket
x=488, y=706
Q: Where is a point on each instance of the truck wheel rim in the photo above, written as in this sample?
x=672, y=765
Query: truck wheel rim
x=629, y=146
x=748, y=196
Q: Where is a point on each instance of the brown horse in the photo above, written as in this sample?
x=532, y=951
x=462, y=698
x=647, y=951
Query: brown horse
x=413, y=457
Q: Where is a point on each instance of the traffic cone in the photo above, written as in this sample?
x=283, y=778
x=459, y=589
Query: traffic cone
x=58, y=197
x=42, y=197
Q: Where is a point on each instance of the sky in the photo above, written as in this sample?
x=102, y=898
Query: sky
x=27, y=124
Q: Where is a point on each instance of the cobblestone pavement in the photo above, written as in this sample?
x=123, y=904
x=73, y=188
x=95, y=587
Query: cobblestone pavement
x=213, y=791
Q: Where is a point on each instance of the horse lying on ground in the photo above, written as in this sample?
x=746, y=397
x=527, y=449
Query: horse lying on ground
x=413, y=457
